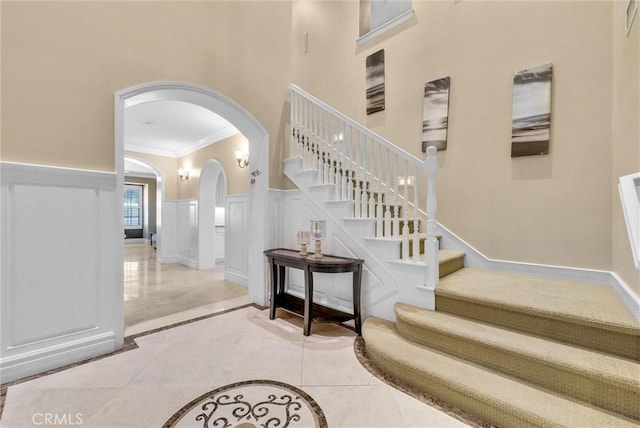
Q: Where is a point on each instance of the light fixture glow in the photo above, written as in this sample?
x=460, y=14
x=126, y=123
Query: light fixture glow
x=183, y=174
x=243, y=158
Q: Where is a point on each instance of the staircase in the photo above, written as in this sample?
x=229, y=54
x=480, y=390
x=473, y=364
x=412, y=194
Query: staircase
x=380, y=197
x=518, y=351
x=510, y=349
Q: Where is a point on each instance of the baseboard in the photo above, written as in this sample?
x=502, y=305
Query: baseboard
x=193, y=264
x=476, y=259
x=136, y=241
x=38, y=361
x=629, y=298
x=236, y=278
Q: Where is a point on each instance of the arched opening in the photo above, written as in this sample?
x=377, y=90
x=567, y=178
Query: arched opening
x=159, y=196
x=212, y=193
x=254, y=132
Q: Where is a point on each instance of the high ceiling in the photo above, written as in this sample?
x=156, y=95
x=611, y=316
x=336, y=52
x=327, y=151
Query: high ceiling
x=172, y=128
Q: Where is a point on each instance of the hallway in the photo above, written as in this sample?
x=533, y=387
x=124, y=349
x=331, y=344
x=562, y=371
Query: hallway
x=157, y=295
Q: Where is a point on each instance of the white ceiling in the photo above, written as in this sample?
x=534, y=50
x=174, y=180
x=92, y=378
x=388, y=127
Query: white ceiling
x=172, y=128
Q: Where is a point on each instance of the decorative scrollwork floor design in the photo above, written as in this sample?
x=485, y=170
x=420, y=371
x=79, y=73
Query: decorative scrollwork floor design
x=255, y=403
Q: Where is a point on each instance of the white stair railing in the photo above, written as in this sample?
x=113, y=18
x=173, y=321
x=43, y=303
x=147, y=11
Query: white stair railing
x=385, y=183
x=629, y=186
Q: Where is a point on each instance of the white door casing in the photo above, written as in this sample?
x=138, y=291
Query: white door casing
x=258, y=139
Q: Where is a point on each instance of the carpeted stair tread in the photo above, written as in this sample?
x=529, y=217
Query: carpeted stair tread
x=450, y=261
x=496, y=398
x=581, y=302
x=604, y=380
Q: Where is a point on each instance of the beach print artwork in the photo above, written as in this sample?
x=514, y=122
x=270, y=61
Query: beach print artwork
x=435, y=114
x=531, y=117
x=375, y=82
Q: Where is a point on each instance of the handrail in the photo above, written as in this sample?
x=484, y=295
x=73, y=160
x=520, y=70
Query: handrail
x=366, y=131
x=383, y=182
x=630, y=199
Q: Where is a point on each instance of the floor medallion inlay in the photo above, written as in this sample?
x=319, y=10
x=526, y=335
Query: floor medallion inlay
x=254, y=403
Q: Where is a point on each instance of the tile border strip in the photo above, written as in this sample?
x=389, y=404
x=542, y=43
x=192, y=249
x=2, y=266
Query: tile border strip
x=459, y=414
x=129, y=344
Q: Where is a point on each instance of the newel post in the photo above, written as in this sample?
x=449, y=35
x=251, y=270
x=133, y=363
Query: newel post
x=431, y=245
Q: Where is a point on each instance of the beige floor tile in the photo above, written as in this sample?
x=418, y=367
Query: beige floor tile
x=144, y=387
x=416, y=414
x=357, y=406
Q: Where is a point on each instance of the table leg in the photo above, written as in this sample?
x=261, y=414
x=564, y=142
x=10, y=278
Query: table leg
x=357, y=277
x=308, y=300
x=274, y=289
x=281, y=279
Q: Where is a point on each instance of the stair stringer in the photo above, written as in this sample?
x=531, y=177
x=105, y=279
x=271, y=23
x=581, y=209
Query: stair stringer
x=377, y=285
x=400, y=281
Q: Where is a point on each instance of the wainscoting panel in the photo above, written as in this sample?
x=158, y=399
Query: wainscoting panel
x=42, y=238
x=236, y=262
x=169, y=238
x=187, y=228
x=61, y=290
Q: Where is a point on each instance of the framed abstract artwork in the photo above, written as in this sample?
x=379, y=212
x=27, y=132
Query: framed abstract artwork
x=435, y=114
x=531, y=114
x=375, y=82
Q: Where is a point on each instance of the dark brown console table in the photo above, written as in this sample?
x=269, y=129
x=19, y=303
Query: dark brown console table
x=281, y=258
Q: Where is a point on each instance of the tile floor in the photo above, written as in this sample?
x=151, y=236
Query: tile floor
x=156, y=294
x=144, y=387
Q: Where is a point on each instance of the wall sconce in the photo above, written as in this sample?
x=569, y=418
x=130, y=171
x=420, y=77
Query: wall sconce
x=242, y=158
x=183, y=174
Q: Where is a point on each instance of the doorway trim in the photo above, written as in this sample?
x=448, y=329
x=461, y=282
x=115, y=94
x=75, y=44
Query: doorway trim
x=257, y=224
x=160, y=180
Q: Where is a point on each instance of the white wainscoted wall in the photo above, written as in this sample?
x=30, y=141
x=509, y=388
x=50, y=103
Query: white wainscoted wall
x=61, y=285
x=180, y=232
x=236, y=263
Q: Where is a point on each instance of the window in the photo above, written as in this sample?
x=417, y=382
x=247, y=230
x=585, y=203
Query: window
x=380, y=16
x=132, y=206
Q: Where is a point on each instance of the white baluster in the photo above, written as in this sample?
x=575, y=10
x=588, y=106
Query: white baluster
x=357, y=190
x=344, y=167
x=379, y=214
x=387, y=196
x=372, y=185
x=405, y=212
x=325, y=152
x=416, y=234
x=349, y=169
x=431, y=245
x=305, y=133
x=317, y=144
x=292, y=139
x=365, y=183
x=396, y=203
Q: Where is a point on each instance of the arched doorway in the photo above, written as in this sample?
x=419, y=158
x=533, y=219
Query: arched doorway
x=212, y=179
x=258, y=158
x=159, y=197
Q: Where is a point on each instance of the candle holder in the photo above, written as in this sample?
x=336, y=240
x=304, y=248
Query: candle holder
x=318, y=228
x=304, y=238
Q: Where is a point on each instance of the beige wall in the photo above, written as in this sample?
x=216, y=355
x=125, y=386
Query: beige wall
x=553, y=209
x=63, y=61
x=224, y=152
x=167, y=165
x=625, y=132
